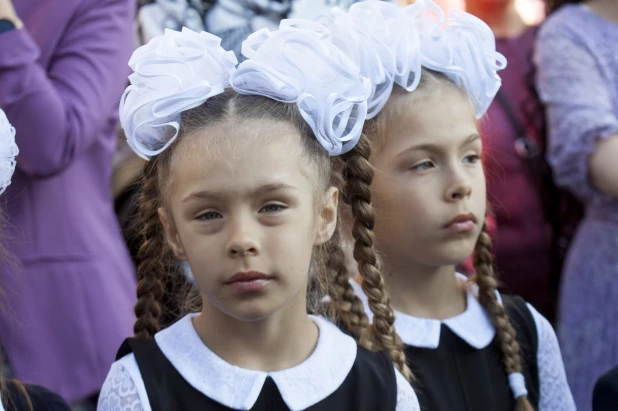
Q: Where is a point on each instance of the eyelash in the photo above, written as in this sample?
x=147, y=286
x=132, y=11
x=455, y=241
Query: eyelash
x=215, y=215
x=472, y=158
x=419, y=167
x=279, y=207
x=475, y=158
x=203, y=216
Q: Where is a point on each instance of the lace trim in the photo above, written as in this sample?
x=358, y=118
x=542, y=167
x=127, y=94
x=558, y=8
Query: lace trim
x=555, y=394
x=119, y=392
x=406, y=397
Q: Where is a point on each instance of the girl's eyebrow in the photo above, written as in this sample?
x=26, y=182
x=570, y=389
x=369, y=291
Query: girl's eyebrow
x=259, y=191
x=436, y=147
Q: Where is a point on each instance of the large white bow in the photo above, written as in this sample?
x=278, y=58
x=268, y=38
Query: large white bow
x=300, y=64
x=379, y=39
x=462, y=47
x=172, y=73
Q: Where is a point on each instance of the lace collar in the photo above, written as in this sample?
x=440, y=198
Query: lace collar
x=301, y=386
x=473, y=325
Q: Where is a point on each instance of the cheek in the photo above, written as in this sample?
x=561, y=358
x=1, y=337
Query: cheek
x=401, y=207
x=479, y=190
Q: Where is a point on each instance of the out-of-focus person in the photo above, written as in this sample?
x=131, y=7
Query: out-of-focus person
x=577, y=79
x=154, y=16
x=523, y=201
x=63, y=66
x=14, y=395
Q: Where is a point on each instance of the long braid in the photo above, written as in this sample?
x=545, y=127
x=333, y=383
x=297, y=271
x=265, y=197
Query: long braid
x=358, y=175
x=151, y=265
x=487, y=283
x=344, y=302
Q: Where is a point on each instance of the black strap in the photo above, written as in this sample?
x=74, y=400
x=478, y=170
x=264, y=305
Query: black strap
x=510, y=113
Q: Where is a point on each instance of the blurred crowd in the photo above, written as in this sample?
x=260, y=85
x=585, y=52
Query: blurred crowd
x=550, y=144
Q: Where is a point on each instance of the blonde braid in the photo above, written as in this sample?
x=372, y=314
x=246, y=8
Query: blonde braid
x=358, y=174
x=487, y=283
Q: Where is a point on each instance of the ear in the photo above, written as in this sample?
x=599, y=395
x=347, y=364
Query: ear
x=171, y=234
x=328, y=216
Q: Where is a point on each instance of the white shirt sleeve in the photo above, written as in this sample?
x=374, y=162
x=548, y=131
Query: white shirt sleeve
x=406, y=397
x=555, y=394
x=123, y=389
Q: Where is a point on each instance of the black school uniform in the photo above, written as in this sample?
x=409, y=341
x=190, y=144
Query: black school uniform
x=40, y=398
x=457, y=362
x=176, y=371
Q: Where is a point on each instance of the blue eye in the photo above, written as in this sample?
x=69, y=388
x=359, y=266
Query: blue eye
x=423, y=166
x=272, y=208
x=209, y=215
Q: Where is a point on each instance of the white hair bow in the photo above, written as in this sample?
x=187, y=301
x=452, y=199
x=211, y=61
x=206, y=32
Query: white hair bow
x=300, y=64
x=8, y=152
x=172, y=73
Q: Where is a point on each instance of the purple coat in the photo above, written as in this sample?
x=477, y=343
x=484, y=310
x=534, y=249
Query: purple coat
x=69, y=298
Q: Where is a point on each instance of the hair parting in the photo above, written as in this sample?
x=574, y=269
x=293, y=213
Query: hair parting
x=163, y=293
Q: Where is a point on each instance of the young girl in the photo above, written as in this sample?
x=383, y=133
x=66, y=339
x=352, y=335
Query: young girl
x=238, y=186
x=469, y=347
x=15, y=396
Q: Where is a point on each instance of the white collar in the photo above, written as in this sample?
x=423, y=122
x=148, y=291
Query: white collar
x=301, y=386
x=473, y=325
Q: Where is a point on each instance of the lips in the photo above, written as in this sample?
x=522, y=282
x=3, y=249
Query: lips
x=463, y=223
x=248, y=282
x=248, y=276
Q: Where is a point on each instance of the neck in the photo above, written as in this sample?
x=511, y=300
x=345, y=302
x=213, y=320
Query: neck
x=425, y=292
x=605, y=8
x=280, y=341
x=501, y=17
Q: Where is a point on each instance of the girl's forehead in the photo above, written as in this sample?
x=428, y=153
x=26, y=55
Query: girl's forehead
x=221, y=157
x=439, y=117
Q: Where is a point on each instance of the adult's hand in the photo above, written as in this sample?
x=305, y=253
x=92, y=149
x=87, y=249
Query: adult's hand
x=7, y=11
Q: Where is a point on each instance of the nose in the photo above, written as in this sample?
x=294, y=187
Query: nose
x=242, y=241
x=459, y=186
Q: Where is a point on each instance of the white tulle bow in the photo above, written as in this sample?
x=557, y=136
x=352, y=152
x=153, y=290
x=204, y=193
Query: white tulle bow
x=462, y=47
x=378, y=38
x=8, y=152
x=172, y=73
x=300, y=64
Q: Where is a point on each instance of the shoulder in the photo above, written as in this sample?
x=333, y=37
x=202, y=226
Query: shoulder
x=544, y=329
x=124, y=384
x=566, y=24
x=41, y=398
x=376, y=377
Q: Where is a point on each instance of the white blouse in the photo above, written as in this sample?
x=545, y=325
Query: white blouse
x=301, y=386
x=474, y=327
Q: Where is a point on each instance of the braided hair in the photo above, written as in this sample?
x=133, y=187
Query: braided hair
x=358, y=175
x=374, y=132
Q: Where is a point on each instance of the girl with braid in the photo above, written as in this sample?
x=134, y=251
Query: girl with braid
x=419, y=160
x=238, y=185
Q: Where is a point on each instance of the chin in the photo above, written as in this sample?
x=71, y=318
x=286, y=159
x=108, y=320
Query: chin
x=455, y=254
x=249, y=311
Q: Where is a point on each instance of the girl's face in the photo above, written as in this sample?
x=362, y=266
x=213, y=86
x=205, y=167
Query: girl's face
x=242, y=211
x=429, y=186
